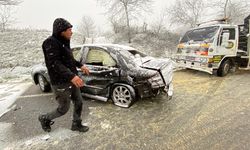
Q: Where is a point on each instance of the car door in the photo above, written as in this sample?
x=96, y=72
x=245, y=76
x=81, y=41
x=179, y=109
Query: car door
x=103, y=71
x=229, y=46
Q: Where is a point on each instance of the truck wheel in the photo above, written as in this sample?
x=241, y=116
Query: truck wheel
x=43, y=83
x=224, y=68
x=123, y=95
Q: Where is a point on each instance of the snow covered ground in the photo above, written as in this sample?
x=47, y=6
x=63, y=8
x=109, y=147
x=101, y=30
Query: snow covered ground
x=20, y=50
x=9, y=92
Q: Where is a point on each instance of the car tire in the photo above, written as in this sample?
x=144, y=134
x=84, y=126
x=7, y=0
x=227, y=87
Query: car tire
x=224, y=68
x=43, y=83
x=123, y=95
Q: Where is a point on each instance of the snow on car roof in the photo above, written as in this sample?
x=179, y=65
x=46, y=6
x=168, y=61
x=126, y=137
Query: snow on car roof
x=78, y=45
x=115, y=46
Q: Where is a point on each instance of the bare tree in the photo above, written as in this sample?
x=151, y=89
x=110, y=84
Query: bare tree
x=160, y=22
x=126, y=9
x=235, y=10
x=6, y=12
x=186, y=12
x=117, y=24
x=10, y=2
x=5, y=17
x=86, y=27
x=144, y=27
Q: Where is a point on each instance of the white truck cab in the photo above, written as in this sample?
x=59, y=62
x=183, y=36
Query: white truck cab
x=215, y=48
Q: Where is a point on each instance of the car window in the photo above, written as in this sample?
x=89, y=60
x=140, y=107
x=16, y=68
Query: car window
x=100, y=57
x=134, y=52
x=76, y=52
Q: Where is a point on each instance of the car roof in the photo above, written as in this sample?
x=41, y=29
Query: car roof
x=113, y=46
x=78, y=45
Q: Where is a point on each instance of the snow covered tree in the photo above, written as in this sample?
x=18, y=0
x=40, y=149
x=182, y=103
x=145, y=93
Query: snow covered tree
x=126, y=10
x=160, y=23
x=10, y=2
x=186, y=12
x=117, y=25
x=235, y=10
x=6, y=12
x=86, y=27
x=5, y=17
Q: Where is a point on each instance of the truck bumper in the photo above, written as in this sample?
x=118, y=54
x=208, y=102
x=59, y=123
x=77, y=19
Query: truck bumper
x=205, y=67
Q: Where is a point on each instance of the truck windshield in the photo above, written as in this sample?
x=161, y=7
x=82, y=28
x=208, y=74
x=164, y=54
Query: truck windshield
x=202, y=34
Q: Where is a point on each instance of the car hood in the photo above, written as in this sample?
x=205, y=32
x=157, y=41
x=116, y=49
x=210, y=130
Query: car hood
x=164, y=66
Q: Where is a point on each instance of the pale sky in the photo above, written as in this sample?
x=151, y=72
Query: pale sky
x=40, y=14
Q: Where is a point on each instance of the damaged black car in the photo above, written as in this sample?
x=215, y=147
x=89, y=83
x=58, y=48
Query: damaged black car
x=117, y=72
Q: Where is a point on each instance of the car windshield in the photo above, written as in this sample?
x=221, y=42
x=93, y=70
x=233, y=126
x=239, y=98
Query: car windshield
x=202, y=34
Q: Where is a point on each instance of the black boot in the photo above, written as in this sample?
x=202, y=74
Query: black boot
x=77, y=126
x=46, y=123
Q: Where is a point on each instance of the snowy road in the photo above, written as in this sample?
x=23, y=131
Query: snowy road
x=9, y=92
x=206, y=112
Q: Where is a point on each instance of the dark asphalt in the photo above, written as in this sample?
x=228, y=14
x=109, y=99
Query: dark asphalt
x=206, y=112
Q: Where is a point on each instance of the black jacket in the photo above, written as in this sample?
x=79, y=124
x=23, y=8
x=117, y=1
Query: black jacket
x=59, y=59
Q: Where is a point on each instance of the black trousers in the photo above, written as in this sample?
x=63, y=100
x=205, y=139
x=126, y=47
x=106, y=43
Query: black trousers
x=64, y=94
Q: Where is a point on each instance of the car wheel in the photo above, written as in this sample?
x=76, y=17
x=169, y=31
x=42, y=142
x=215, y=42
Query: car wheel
x=224, y=68
x=123, y=95
x=43, y=83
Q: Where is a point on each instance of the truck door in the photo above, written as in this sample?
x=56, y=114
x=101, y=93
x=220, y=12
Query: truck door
x=226, y=43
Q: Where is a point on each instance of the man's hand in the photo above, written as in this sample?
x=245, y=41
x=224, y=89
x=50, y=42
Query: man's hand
x=85, y=70
x=77, y=81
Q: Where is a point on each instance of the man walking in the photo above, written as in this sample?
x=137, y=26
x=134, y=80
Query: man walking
x=62, y=71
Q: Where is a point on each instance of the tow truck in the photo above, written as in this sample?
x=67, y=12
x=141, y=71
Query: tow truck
x=215, y=47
